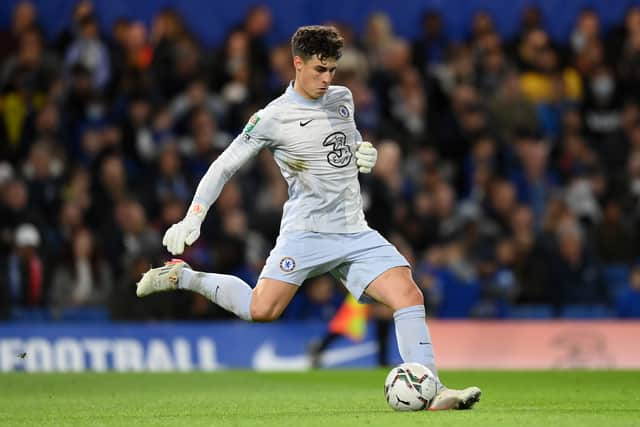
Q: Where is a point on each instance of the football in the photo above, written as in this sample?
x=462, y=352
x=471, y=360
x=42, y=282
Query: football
x=410, y=387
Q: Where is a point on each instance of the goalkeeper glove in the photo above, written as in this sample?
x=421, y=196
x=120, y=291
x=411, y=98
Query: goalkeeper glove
x=186, y=231
x=366, y=156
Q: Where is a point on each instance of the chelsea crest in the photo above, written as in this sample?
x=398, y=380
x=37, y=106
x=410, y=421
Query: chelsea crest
x=287, y=264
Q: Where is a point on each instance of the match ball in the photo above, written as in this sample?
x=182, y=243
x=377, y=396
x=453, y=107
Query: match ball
x=410, y=387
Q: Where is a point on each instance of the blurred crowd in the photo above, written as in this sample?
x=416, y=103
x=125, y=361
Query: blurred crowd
x=508, y=171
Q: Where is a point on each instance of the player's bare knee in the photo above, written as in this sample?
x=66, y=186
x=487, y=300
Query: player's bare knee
x=264, y=313
x=410, y=296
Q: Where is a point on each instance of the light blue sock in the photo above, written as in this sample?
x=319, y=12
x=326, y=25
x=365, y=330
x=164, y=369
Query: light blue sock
x=229, y=292
x=414, y=340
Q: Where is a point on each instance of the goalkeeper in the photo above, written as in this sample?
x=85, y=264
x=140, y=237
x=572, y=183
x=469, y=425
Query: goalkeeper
x=311, y=132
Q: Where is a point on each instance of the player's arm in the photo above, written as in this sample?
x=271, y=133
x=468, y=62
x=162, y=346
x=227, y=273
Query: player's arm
x=244, y=147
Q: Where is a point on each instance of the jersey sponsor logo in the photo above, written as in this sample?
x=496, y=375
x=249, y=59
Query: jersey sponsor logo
x=287, y=264
x=340, y=154
x=343, y=111
x=253, y=121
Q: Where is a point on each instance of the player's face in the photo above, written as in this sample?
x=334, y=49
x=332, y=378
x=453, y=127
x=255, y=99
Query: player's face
x=314, y=76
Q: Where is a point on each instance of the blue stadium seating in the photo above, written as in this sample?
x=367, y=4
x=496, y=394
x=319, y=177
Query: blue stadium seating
x=616, y=277
x=458, y=299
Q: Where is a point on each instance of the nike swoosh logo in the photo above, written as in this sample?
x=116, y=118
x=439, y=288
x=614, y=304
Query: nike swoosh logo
x=215, y=297
x=266, y=358
x=424, y=343
x=402, y=401
x=306, y=123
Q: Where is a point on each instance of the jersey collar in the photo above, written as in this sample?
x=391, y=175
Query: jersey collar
x=291, y=92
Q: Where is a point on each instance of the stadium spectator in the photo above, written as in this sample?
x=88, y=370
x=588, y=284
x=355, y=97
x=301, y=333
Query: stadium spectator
x=168, y=179
x=15, y=210
x=510, y=110
x=82, y=278
x=533, y=180
x=544, y=74
x=628, y=302
x=257, y=24
x=378, y=35
x=430, y=48
x=408, y=107
x=532, y=257
x=177, y=57
x=24, y=17
x=586, y=30
x=90, y=51
x=88, y=119
x=575, y=274
x=613, y=236
x=25, y=78
x=43, y=173
x=110, y=186
x=530, y=19
x=22, y=272
x=498, y=283
x=82, y=10
x=280, y=72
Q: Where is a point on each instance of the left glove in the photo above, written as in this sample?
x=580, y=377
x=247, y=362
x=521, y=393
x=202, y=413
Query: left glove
x=366, y=157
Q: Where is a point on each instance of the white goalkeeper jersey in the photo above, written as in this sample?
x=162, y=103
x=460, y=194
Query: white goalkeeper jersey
x=314, y=144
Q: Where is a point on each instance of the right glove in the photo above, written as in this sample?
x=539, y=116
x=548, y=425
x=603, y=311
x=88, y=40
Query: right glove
x=186, y=231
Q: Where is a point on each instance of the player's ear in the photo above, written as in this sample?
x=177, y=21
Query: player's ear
x=298, y=62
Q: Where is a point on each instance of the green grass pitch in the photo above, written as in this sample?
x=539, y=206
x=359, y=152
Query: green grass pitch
x=319, y=398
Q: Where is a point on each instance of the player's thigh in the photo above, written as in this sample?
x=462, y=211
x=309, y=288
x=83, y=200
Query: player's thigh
x=372, y=259
x=270, y=298
x=396, y=289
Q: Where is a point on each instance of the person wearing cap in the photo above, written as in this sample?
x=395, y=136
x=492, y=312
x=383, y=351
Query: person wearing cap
x=22, y=278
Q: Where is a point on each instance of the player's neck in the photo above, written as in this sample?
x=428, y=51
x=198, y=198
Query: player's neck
x=300, y=91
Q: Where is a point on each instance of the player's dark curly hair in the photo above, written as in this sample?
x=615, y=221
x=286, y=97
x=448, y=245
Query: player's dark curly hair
x=324, y=41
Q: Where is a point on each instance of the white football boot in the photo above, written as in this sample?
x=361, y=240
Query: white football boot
x=161, y=279
x=455, y=399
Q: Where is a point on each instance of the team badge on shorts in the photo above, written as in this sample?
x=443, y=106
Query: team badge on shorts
x=343, y=111
x=287, y=264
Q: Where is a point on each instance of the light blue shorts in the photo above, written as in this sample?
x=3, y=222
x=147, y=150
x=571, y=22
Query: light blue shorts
x=355, y=259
